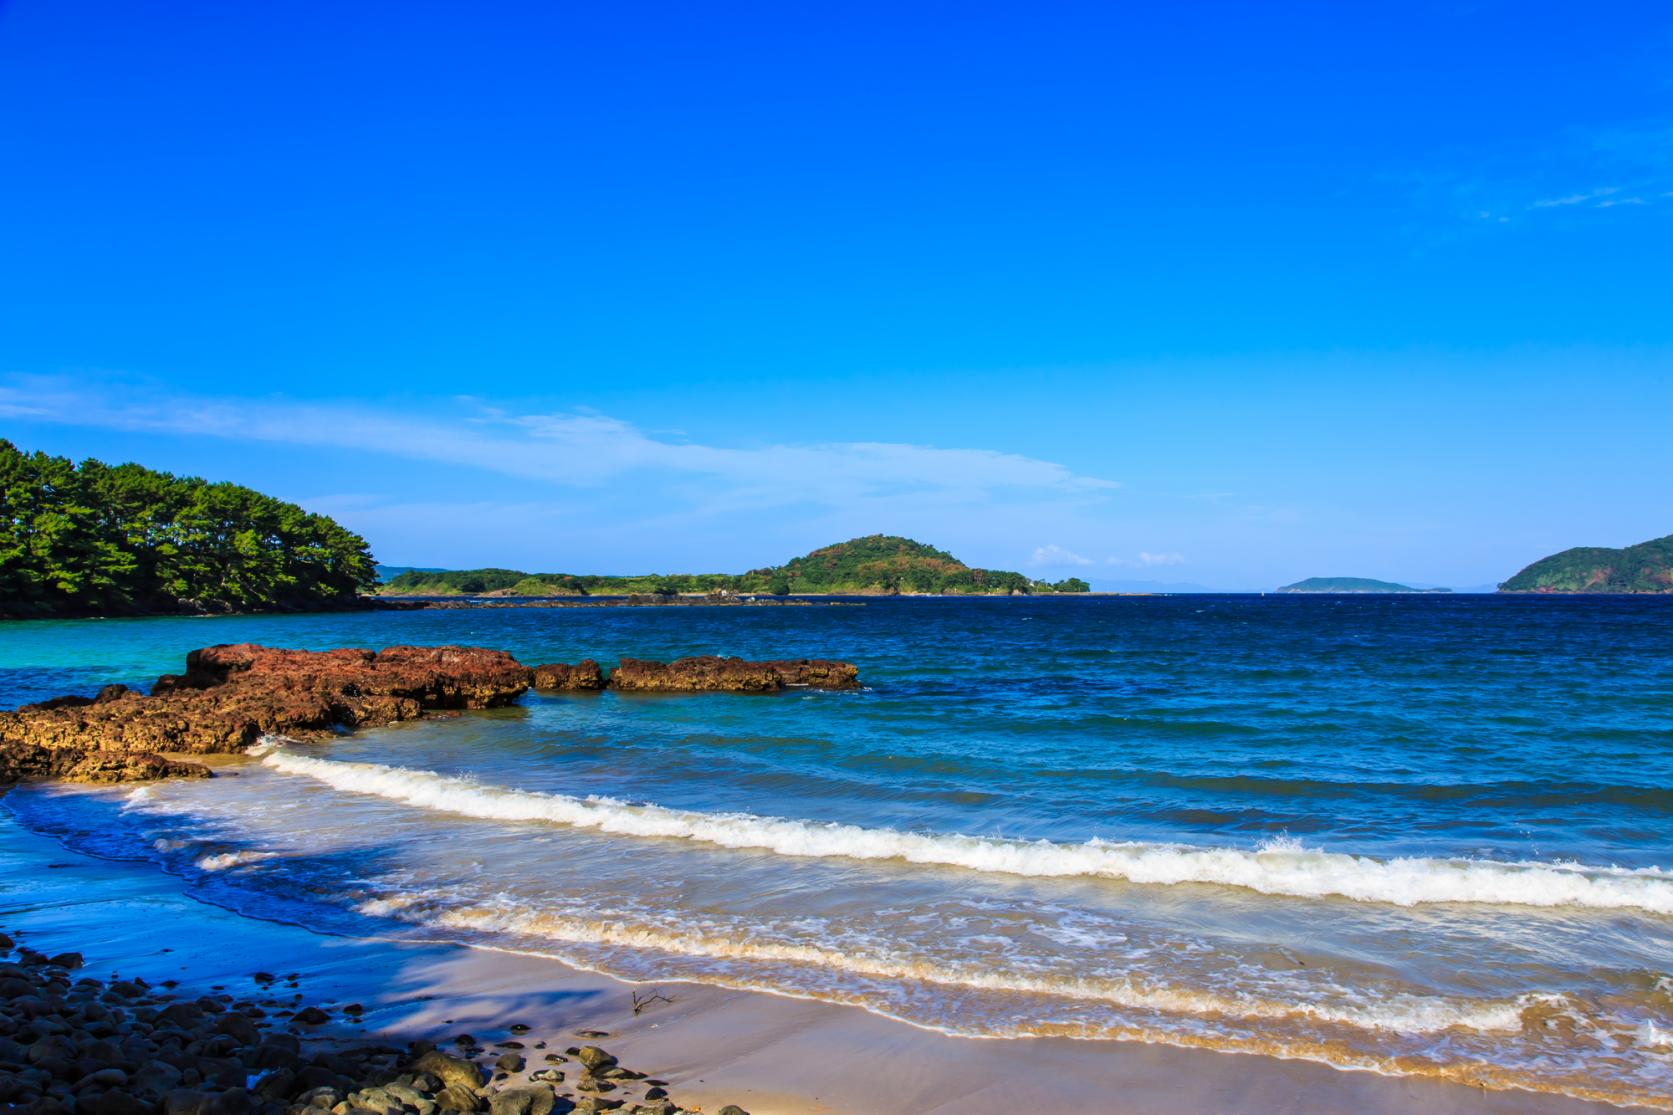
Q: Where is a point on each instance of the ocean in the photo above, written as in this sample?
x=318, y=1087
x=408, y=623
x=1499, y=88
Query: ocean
x=1422, y=835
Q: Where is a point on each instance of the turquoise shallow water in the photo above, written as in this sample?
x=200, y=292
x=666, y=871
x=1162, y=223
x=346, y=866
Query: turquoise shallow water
x=1426, y=835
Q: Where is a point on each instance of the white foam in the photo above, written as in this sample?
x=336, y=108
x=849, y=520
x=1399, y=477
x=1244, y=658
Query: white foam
x=225, y=860
x=1652, y=1036
x=1279, y=867
x=1411, y=1014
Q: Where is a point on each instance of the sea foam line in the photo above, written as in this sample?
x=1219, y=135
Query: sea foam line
x=1410, y=1014
x=1279, y=867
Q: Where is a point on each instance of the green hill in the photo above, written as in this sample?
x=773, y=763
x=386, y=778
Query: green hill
x=1646, y=567
x=888, y=563
x=1352, y=584
x=878, y=564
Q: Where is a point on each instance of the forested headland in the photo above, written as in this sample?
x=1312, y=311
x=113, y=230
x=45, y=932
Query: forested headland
x=878, y=564
x=1646, y=567
x=98, y=539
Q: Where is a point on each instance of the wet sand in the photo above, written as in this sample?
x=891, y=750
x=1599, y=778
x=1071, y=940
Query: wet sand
x=772, y=1055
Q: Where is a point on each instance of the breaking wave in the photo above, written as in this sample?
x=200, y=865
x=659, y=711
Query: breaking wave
x=1277, y=867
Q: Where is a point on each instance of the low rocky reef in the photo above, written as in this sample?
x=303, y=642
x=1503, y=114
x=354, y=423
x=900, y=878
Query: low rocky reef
x=232, y=695
x=77, y=1046
x=702, y=674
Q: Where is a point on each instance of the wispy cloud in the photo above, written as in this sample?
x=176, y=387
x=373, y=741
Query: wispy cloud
x=1057, y=555
x=1147, y=560
x=576, y=449
x=1626, y=166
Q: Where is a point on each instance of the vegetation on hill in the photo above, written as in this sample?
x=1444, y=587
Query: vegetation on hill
x=877, y=563
x=1646, y=567
x=98, y=539
x=390, y=572
x=889, y=563
x=1352, y=584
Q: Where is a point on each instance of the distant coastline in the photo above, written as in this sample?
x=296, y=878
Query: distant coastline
x=875, y=565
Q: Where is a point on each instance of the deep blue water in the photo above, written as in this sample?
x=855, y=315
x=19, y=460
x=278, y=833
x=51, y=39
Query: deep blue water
x=1420, y=833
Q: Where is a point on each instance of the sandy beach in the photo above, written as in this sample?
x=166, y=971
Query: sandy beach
x=772, y=1055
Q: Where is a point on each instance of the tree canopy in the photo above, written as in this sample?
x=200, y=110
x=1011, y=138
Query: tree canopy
x=98, y=539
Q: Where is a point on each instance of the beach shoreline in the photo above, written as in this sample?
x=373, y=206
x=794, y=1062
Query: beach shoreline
x=769, y=1053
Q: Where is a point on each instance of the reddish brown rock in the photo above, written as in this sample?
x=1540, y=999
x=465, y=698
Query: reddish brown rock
x=709, y=673
x=230, y=696
x=818, y=673
x=585, y=674
x=27, y=762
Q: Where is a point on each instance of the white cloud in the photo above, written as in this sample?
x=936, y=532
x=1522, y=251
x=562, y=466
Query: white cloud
x=1147, y=560
x=1057, y=555
x=574, y=449
x=1596, y=196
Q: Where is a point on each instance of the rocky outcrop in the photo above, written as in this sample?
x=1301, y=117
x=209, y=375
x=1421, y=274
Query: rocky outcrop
x=584, y=675
x=27, y=762
x=230, y=696
x=709, y=673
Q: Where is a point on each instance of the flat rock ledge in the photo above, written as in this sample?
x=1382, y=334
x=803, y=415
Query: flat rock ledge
x=702, y=674
x=231, y=695
x=70, y=1045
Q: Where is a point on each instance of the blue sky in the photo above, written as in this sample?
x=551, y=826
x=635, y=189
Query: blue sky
x=1228, y=294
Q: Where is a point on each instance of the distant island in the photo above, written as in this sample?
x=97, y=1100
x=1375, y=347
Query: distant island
x=1352, y=585
x=93, y=539
x=1646, y=567
x=878, y=564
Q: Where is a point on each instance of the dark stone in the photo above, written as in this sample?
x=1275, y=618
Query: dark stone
x=183, y=1016
x=114, y=1102
x=449, y=1070
x=185, y=1101
x=594, y=1058
x=459, y=1098
x=270, y=1055
x=239, y=1028
x=280, y=1084
x=313, y=1077
x=233, y=1101
x=522, y=1101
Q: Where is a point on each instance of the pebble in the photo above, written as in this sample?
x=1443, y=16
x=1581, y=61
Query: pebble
x=79, y=1046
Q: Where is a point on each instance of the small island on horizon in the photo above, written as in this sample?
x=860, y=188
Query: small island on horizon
x=1351, y=585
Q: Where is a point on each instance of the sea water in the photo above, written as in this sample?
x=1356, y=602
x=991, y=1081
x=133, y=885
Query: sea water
x=1418, y=835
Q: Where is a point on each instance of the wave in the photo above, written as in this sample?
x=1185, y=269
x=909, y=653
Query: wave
x=1409, y=1014
x=1277, y=867
x=224, y=860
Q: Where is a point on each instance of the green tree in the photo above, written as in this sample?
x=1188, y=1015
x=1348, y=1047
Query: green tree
x=97, y=539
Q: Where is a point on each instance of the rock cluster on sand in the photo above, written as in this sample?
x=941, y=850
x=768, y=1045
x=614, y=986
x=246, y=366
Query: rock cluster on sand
x=230, y=696
x=706, y=673
x=78, y=1046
